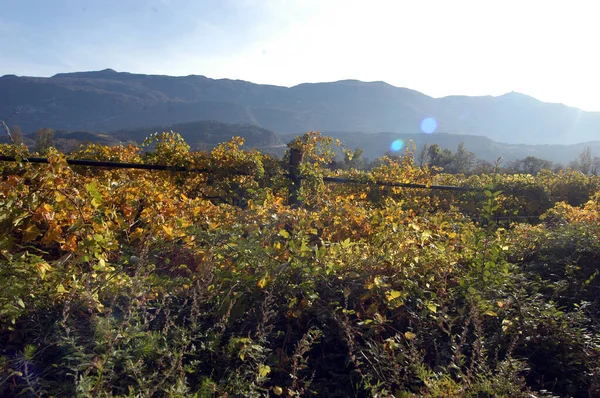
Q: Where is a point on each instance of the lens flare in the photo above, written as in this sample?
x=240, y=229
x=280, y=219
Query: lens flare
x=428, y=125
x=397, y=145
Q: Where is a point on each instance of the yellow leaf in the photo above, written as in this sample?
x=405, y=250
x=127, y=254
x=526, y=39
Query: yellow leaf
x=47, y=208
x=30, y=233
x=277, y=390
x=101, y=266
x=409, y=335
x=43, y=267
x=263, y=282
x=59, y=197
x=137, y=234
x=378, y=281
x=168, y=230
x=426, y=235
x=500, y=304
x=70, y=244
x=414, y=226
x=54, y=234
x=263, y=370
x=392, y=295
x=432, y=307
x=61, y=289
x=490, y=313
x=284, y=233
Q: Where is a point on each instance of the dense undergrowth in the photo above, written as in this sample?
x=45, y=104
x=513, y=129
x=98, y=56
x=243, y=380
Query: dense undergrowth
x=135, y=283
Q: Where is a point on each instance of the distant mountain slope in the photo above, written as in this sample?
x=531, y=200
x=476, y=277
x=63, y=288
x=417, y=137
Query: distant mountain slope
x=208, y=134
x=108, y=100
x=199, y=135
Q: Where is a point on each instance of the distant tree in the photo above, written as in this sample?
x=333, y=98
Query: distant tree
x=393, y=156
x=460, y=162
x=354, y=159
x=584, y=161
x=596, y=166
x=44, y=140
x=482, y=166
x=17, y=134
x=463, y=160
x=434, y=155
x=439, y=157
x=557, y=168
x=530, y=165
x=4, y=126
x=422, y=157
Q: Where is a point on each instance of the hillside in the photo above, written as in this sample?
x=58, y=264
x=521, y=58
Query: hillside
x=208, y=134
x=108, y=100
x=199, y=135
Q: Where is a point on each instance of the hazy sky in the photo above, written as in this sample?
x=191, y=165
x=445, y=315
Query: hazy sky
x=547, y=49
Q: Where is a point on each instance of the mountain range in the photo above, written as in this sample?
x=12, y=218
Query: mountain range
x=105, y=101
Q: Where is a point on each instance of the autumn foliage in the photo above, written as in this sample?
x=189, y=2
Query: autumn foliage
x=117, y=282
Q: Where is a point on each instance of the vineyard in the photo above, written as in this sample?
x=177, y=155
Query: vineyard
x=215, y=283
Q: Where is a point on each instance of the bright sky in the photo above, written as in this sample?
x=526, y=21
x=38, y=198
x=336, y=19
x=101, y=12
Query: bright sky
x=544, y=48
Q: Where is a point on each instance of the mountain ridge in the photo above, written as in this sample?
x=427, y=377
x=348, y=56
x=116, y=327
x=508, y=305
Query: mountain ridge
x=109, y=72
x=108, y=100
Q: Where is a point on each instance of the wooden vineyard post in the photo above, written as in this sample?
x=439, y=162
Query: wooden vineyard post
x=295, y=181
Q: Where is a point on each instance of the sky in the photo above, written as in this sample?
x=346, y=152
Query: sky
x=547, y=49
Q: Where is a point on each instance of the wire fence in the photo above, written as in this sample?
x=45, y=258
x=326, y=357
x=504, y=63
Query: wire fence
x=341, y=180
x=117, y=165
x=293, y=176
x=142, y=166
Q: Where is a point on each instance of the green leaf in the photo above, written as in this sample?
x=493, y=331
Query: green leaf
x=21, y=303
x=284, y=233
x=101, y=266
x=92, y=189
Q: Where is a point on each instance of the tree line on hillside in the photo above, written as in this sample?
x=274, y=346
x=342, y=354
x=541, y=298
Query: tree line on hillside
x=461, y=161
x=44, y=138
